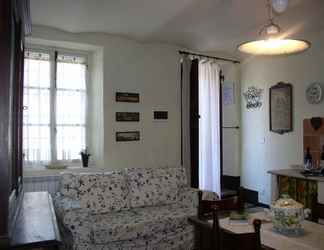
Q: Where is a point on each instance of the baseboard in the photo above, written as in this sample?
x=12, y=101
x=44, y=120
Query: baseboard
x=263, y=205
x=4, y=242
x=231, y=182
x=251, y=196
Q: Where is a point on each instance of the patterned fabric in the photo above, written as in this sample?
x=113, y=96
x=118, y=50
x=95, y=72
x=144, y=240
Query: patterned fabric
x=188, y=197
x=177, y=240
x=98, y=213
x=65, y=204
x=139, y=223
x=152, y=187
x=102, y=193
x=69, y=184
x=303, y=191
x=73, y=218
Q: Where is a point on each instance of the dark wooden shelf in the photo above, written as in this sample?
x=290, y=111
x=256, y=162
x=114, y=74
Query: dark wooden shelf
x=36, y=224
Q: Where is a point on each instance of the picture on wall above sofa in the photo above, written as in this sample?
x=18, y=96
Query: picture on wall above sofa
x=127, y=97
x=127, y=116
x=128, y=136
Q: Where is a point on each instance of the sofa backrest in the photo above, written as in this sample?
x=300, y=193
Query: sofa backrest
x=114, y=191
x=151, y=187
x=97, y=192
x=103, y=193
x=69, y=185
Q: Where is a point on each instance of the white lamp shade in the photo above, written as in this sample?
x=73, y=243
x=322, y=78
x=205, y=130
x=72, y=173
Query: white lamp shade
x=274, y=47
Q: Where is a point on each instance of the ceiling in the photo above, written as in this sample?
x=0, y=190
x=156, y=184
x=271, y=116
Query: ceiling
x=202, y=25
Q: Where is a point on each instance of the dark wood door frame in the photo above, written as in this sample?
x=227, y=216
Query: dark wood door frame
x=194, y=123
x=14, y=18
x=5, y=51
x=221, y=157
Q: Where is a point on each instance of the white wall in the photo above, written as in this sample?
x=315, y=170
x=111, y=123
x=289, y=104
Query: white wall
x=95, y=132
x=231, y=117
x=120, y=64
x=261, y=149
x=149, y=69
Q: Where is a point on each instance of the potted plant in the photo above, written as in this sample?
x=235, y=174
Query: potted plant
x=85, y=157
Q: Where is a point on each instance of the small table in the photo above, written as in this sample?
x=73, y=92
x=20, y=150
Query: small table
x=312, y=239
x=36, y=225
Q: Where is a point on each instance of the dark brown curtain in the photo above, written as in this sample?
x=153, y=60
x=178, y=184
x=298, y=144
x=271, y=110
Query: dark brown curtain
x=194, y=123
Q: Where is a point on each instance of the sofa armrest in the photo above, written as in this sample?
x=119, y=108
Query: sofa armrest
x=188, y=197
x=72, y=217
x=64, y=205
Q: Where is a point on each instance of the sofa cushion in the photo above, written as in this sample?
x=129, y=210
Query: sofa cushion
x=152, y=187
x=69, y=184
x=138, y=222
x=102, y=193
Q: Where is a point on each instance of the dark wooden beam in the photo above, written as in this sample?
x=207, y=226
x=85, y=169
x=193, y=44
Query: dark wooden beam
x=5, y=154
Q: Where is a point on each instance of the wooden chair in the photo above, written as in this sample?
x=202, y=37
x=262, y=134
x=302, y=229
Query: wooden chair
x=318, y=213
x=244, y=241
x=205, y=207
x=211, y=237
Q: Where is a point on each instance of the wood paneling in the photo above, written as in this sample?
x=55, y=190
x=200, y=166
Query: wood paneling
x=313, y=139
x=5, y=45
x=194, y=123
x=12, y=23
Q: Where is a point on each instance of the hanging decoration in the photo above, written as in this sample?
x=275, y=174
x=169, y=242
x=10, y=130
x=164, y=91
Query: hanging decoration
x=253, y=97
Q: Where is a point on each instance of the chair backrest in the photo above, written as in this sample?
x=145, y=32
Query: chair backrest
x=318, y=212
x=212, y=237
x=244, y=241
x=206, y=207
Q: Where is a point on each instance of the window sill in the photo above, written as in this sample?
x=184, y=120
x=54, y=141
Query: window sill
x=42, y=171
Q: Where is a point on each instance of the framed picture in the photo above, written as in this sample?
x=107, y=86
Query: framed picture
x=127, y=97
x=160, y=115
x=127, y=116
x=128, y=136
x=281, y=110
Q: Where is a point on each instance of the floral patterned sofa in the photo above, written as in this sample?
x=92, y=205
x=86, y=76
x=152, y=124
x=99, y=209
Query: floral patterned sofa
x=126, y=210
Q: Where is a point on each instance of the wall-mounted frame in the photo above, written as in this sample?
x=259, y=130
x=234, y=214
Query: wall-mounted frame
x=281, y=108
x=127, y=97
x=160, y=115
x=127, y=116
x=128, y=136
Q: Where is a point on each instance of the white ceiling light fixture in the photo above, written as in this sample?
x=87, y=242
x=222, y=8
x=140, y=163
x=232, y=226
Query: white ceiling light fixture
x=270, y=42
x=279, y=5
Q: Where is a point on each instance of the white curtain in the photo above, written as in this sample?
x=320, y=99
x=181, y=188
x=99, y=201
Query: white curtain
x=209, y=127
x=185, y=98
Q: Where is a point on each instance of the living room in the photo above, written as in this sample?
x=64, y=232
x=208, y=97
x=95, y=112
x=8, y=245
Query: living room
x=137, y=103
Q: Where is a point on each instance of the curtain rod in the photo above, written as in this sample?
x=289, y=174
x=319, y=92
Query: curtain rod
x=211, y=57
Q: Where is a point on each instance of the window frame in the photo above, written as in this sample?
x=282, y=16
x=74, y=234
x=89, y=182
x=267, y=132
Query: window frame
x=53, y=52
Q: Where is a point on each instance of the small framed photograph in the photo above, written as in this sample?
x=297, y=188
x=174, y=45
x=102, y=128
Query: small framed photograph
x=127, y=116
x=128, y=136
x=281, y=108
x=127, y=97
x=160, y=115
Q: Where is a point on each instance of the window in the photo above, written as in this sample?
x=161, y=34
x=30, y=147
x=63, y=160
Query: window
x=54, y=123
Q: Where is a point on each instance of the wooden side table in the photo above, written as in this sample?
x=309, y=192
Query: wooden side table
x=36, y=225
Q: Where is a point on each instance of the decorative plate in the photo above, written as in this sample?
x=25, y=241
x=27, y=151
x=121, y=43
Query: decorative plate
x=314, y=93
